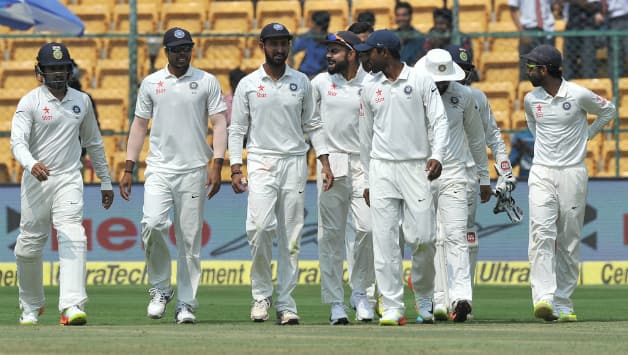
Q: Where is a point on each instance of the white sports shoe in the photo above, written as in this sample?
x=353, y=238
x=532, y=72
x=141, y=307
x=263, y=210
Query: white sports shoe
x=259, y=311
x=287, y=317
x=159, y=300
x=338, y=314
x=363, y=310
x=424, y=307
x=31, y=317
x=184, y=315
x=73, y=316
x=440, y=312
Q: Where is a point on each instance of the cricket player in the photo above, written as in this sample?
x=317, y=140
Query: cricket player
x=466, y=143
x=556, y=113
x=402, y=108
x=45, y=135
x=337, y=102
x=180, y=99
x=273, y=108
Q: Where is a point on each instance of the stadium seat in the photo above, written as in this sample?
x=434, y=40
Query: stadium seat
x=475, y=11
x=231, y=16
x=18, y=76
x=118, y=49
x=192, y=16
x=286, y=12
x=503, y=119
x=602, y=87
x=112, y=109
x=86, y=49
x=502, y=67
x=384, y=11
x=503, y=44
x=338, y=9
x=86, y=69
x=221, y=52
x=7, y=163
x=221, y=73
x=609, y=156
x=147, y=17
x=8, y=103
x=623, y=95
x=524, y=88
x=518, y=120
x=501, y=94
x=95, y=17
x=24, y=49
x=422, y=13
x=113, y=75
x=501, y=11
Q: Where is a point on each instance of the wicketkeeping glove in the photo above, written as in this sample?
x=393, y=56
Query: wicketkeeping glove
x=505, y=203
x=505, y=179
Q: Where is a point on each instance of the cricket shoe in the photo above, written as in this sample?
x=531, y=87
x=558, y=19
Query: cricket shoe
x=184, y=315
x=565, y=316
x=73, y=316
x=363, y=310
x=424, y=308
x=259, y=311
x=392, y=317
x=440, y=312
x=545, y=310
x=287, y=317
x=338, y=314
x=462, y=308
x=379, y=306
x=31, y=317
x=158, y=301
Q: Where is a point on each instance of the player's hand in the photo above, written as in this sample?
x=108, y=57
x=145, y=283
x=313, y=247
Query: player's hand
x=328, y=178
x=433, y=168
x=239, y=182
x=107, y=198
x=485, y=193
x=213, y=181
x=367, y=197
x=40, y=172
x=125, y=185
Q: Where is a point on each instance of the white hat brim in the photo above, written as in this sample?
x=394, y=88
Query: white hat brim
x=457, y=75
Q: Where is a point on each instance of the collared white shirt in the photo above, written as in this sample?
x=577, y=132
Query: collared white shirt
x=180, y=109
x=47, y=131
x=492, y=132
x=527, y=13
x=337, y=102
x=466, y=135
x=559, y=123
x=398, y=116
x=617, y=8
x=274, y=116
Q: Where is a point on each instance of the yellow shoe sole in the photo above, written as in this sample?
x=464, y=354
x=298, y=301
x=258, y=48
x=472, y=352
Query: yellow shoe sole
x=544, y=310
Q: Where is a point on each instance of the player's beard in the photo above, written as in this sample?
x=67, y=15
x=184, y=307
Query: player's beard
x=535, y=80
x=276, y=58
x=56, y=82
x=334, y=66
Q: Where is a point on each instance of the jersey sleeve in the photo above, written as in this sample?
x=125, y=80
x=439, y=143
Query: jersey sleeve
x=215, y=101
x=91, y=139
x=240, y=116
x=144, y=103
x=20, y=135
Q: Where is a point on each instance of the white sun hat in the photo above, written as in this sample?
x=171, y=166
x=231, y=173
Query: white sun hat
x=439, y=64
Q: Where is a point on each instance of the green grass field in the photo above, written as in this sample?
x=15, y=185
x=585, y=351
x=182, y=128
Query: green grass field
x=504, y=325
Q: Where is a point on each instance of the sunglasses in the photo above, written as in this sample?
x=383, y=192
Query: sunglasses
x=332, y=37
x=534, y=66
x=180, y=49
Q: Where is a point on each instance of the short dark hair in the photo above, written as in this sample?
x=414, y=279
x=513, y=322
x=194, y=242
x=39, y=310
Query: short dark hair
x=235, y=76
x=366, y=16
x=404, y=5
x=444, y=13
x=361, y=27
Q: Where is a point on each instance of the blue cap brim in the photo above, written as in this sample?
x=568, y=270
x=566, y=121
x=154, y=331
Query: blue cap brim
x=363, y=47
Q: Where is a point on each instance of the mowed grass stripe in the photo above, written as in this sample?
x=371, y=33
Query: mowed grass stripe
x=504, y=324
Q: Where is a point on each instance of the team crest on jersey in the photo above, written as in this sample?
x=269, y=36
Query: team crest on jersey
x=407, y=89
x=194, y=85
x=76, y=109
x=293, y=87
x=566, y=106
x=454, y=100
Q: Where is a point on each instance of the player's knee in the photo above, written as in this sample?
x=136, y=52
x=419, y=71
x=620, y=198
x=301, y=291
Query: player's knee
x=29, y=249
x=154, y=223
x=71, y=232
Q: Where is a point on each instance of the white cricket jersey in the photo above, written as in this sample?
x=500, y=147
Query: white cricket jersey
x=466, y=135
x=274, y=116
x=337, y=102
x=180, y=109
x=398, y=116
x=559, y=123
x=47, y=131
x=492, y=133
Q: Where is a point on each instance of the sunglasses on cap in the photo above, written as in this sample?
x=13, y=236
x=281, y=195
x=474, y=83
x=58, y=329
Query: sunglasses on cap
x=332, y=37
x=181, y=49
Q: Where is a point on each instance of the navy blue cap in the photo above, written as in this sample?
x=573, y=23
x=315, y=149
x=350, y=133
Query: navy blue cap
x=346, y=38
x=274, y=30
x=53, y=53
x=460, y=56
x=380, y=39
x=177, y=36
x=545, y=55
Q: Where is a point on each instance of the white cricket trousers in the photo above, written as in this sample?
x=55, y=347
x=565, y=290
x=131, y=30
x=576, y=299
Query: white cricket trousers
x=452, y=253
x=344, y=198
x=400, y=190
x=275, y=209
x=57, y=201
x=473, y=239
x=185, y=193
x=557, y=204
